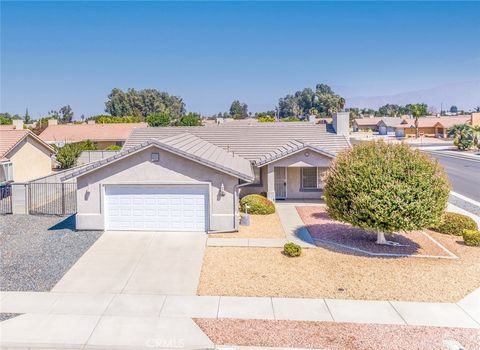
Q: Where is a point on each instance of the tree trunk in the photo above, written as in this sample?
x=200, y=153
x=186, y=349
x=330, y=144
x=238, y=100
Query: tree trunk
x=381, y=238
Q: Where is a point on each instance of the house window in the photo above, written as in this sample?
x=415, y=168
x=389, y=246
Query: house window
x=311, y=178
x=7, y=172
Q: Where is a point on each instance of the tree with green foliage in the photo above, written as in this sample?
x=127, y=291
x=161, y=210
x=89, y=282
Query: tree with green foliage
x=142, y=103
x=386, y=188
x=417, y=110
x=5, y=120
x=238, y=110
x=453, y=109
x=68, y=154
x=108, y=119
x=190, y=119
x=389, y=110
x=159, y=119
x=463, y=136
x=27, y=119
x=323, y=99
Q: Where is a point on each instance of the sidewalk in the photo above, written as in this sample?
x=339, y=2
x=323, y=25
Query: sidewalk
x=143, y=321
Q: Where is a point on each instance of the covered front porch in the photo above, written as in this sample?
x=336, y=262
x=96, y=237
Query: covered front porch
x=294, y=176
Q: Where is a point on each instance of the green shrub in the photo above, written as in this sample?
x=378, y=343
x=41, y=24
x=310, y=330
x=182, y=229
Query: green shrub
x=471, y=238
x=292, y=249
x=266, y=119
x=67, y=155
x=158, y=119
x=258, y=205
x=386, y=188
x=454, y=224
x=191, y=119
x=113, y=148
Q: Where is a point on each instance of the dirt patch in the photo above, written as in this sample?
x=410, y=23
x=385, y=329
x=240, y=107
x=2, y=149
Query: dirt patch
x=324, y=273
x=325, y=230
x=330, y=335
x=261, y=226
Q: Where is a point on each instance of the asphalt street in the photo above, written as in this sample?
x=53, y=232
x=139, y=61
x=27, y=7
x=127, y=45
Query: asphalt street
x=463, y=173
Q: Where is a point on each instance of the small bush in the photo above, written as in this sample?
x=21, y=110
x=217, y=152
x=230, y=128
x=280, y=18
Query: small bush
x=266, y=119
x=258, y=205
x=454, y=224
x=113, y=148
x=471, y=238
x=292, y=249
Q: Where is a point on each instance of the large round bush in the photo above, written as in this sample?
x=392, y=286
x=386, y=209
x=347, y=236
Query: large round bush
x=386, y=188
x=455, y=224
x=258, y=205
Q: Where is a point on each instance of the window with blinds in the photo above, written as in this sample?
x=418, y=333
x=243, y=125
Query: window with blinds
x=312, y=178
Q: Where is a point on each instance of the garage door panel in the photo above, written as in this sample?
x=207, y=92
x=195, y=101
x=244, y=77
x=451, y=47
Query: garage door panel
x=172, y=208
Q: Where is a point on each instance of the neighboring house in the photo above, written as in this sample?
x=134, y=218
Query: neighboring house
x=102, y=135
x=382, y=125
x=434, y=126
x=23, y=156
x=191, y=178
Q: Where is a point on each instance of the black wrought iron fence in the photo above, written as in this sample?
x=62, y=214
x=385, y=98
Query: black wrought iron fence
x=5, y=199
x=52, y=198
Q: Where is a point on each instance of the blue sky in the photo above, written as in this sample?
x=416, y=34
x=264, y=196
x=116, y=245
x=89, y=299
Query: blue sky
x=58, y=53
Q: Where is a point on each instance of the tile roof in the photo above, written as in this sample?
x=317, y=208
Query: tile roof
x=188, y=146
x=430, y=122
x=287, y=149
x=252, y=142
x=388, y=121
x=10, y=138
x=94, y=132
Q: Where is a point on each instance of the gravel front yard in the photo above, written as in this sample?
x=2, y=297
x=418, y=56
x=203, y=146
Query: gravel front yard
x=36, y=251
x=323, y=273
x=321, y=227
x=261, y=226
x=334, y=336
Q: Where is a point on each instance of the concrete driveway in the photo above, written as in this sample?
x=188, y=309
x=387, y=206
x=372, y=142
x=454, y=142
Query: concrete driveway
x=138, y=263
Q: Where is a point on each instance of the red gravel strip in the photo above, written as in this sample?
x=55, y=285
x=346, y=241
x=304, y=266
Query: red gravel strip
x=322, y=227
x=334, y=336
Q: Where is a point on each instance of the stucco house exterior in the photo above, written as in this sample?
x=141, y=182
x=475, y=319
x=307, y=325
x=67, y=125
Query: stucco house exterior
x=23, y=156
x=382, y=125
x=434, y=126
x=102, y=135
x=191, y=178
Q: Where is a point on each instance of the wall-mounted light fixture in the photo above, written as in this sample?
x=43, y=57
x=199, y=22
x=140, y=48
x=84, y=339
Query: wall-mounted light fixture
x=155, y=157
x=222, y=190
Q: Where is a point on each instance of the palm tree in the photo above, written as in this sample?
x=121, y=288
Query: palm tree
x=463, y=135
x=476, y=135
x=418, y=110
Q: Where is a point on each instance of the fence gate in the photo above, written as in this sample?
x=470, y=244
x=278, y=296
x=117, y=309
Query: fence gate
x=52, y=198
x=6, y=199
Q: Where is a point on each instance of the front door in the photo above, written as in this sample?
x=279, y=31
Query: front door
x=280, y=182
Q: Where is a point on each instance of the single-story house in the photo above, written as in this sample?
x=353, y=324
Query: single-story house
x=191, y=178
x=23, y=156
x=434, y=126
x=102, y=135
x=382, y=125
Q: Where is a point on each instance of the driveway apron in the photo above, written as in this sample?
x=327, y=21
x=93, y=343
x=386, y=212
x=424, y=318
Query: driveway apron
x=138, y=263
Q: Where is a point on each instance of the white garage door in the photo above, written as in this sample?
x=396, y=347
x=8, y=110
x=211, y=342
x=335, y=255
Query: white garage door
x=156, y=208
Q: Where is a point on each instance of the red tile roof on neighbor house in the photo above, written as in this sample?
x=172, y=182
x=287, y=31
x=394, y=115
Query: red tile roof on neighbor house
x=93, y=132
x=9, y=138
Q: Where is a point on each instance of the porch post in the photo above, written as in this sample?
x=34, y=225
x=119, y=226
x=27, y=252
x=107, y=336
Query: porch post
x=270, y=182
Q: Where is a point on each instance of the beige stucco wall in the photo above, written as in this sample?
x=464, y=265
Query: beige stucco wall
x=171, y=169
x=294, y=190
x=30, y=160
